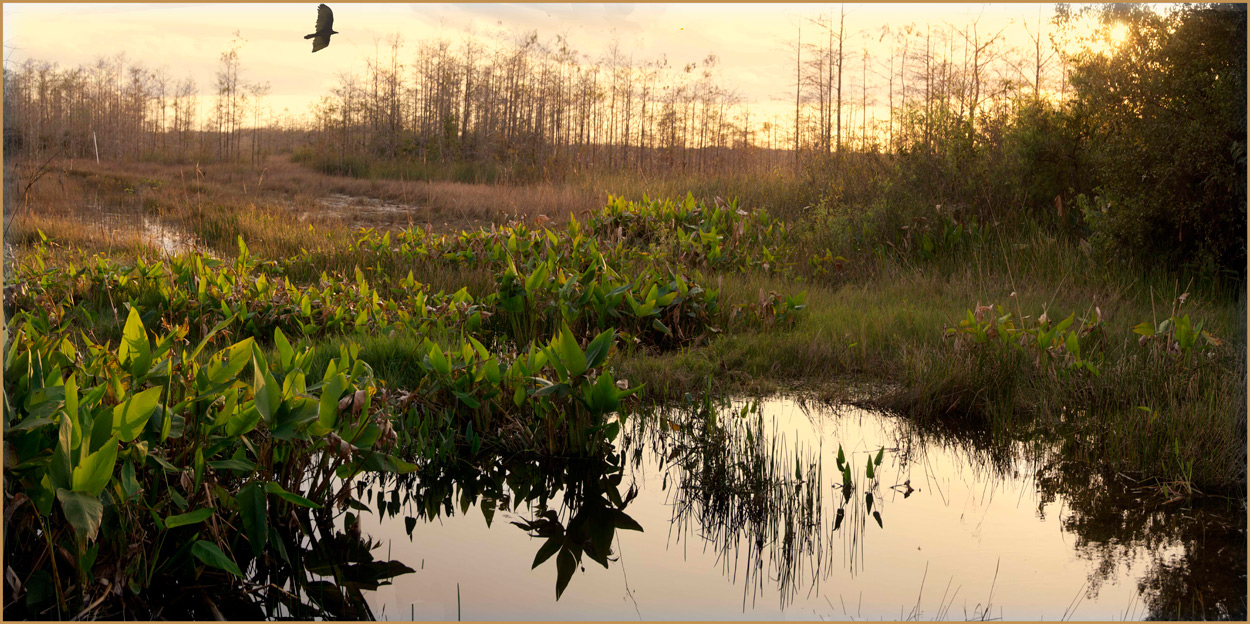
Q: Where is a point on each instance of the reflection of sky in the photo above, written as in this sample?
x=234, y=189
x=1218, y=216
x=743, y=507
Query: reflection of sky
x=975, y=532
x=751, y=41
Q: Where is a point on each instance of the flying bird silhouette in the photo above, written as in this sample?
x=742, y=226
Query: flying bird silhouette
x=325, y=28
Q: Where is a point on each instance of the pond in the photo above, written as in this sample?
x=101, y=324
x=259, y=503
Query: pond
x=746, y=511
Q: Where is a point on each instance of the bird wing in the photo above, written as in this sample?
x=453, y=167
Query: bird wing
x=320, y=41
x=325, y=20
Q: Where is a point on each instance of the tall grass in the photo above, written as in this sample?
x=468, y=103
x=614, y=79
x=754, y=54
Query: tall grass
x=874, y=317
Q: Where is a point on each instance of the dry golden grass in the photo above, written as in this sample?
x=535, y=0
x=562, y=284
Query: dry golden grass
x=278, y=208
x=442, y=205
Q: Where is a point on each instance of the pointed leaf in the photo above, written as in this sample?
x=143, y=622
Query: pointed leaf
x=438, y=361
x=276, y=490
x=569, y=353
x=328, y=409
x=251, y=500
x=565, y=566
x=194, y=517
x=286, y=354
x=597, y=350
x=622, y=521
x=83, y=512
x=131, y=416
x=135, y=349
x=94, y=470
x=549, y=548
x=210, y=554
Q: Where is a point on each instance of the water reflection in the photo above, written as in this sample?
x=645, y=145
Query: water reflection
x=324, y=573
x=733, y=509
x=1194, y=555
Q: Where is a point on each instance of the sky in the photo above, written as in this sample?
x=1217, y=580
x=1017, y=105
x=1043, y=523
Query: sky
x=752, y=41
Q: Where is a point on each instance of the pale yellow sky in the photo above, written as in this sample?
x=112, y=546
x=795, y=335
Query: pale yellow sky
x=751, y=40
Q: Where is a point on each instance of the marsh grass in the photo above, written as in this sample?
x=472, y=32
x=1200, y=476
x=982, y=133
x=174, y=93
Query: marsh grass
x=742, y=489
x=877, y=319
x=1180, y=421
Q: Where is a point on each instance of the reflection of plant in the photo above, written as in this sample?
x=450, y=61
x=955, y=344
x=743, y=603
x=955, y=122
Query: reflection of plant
x=738, y=487
x=1195, y=554
x=330, y=574
x=598, y=514
x=869, y=486
x=589, y=488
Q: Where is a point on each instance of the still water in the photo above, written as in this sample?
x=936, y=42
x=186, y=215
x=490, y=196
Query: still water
x=745, y=514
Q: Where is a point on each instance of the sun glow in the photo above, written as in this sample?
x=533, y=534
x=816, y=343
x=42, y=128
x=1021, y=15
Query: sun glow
x=1118, y=34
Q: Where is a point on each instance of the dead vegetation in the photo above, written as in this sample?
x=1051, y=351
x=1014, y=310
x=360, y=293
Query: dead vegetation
x=107, y=208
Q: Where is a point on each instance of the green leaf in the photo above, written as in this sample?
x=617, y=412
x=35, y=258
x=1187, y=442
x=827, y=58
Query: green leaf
x=467, y=399
x=59, y=471
x=135, y=349
x=209, y=336
x=1065, y=323
x=251, y=500
x=71, y=408
x=597, y=350
x=83, y=512
x=569, y=353
x=536, y=279
x=479, y=348
x=559, y=389
x=227, y=363
x=210, y=554
x=241, y=465
x=268, y=395
x=94, y=470
x=132, y=415
x=1144, y=328
x=242, y=421
x=492, y=372
x=328, y=409
x=34, y=423
x=438, y=361
x=130, y=485
x=194, y=517
x=276, y=490
x=880, y=456
x=869, y=472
